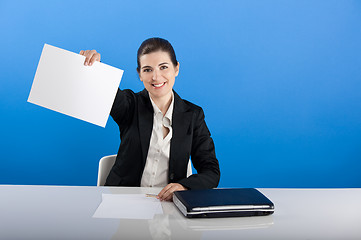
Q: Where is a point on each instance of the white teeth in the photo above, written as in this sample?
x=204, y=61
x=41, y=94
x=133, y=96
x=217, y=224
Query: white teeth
x=159, y=85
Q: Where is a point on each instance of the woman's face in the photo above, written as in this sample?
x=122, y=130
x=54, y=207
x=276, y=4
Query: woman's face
x=158, y=73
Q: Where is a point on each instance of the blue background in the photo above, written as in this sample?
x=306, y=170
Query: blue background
x=279, y=81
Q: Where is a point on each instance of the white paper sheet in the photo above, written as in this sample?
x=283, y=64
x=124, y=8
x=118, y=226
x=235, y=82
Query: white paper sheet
x=62, y=83
x=128, y=206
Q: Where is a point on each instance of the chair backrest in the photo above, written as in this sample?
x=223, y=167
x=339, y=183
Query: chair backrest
x=189, y=168
x=106, y=163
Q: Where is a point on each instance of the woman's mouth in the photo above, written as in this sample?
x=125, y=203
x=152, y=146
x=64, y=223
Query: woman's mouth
x=158, y=85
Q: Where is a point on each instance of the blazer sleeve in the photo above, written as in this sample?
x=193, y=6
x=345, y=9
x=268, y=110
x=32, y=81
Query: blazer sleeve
x=123, y=107
x=203, y=157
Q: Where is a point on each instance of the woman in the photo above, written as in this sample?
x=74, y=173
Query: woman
x=159, y=131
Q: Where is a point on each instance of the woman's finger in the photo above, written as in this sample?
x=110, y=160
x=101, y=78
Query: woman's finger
x=95, y=57
x=90, y=56
x=169, y=194
x=162, y=192
x=87, y=57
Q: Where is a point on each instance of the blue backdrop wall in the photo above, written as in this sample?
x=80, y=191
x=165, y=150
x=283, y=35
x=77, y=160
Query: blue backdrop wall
x=279, y=81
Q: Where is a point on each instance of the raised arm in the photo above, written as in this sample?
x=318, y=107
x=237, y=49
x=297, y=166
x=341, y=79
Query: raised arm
x=124, y=101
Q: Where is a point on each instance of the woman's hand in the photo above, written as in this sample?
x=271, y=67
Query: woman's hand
x=90, y=56
x=167, y=192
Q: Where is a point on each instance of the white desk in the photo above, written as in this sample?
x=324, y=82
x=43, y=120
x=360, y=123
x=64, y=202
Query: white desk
x=52, y=212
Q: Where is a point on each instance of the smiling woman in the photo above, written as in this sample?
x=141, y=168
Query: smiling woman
x=157, y=68
x=160, y=131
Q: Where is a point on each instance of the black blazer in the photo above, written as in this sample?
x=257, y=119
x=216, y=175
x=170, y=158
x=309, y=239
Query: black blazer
x=133, y=112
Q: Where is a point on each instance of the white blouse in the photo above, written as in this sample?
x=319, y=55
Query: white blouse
x=156, y=169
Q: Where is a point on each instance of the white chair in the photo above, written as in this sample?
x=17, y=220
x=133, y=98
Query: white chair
x=106, y=163
x=189, y=168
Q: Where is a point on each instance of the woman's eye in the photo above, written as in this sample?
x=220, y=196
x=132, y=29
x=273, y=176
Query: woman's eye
x=147, y=70
x=163, y=67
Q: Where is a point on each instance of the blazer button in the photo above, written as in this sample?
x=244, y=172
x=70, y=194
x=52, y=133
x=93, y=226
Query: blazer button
x=171, y=177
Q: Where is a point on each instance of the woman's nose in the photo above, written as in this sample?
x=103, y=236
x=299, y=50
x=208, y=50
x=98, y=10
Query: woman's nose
x=155, y=74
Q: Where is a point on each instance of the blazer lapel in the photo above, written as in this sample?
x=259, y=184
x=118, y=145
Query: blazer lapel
x=180, y=124
x=145, y=114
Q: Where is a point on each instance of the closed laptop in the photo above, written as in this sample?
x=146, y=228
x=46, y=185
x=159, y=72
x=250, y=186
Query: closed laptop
x=223, y=202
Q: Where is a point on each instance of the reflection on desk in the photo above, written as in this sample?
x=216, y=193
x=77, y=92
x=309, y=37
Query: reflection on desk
x=53, y=212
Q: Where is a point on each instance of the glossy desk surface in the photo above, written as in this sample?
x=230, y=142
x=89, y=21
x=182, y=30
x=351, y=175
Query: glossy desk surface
x=57, y=212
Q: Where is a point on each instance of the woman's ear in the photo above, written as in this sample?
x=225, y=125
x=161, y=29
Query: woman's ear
x=139, y=75
x=177, y=69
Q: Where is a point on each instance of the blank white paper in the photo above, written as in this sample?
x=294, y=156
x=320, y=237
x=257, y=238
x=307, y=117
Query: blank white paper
x=62, y=83
x=128, y=206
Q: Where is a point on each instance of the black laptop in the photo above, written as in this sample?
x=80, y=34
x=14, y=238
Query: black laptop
x=223, y=202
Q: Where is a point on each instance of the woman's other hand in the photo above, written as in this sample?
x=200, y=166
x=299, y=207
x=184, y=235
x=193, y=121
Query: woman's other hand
x=90, y=56
x=167, y=192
